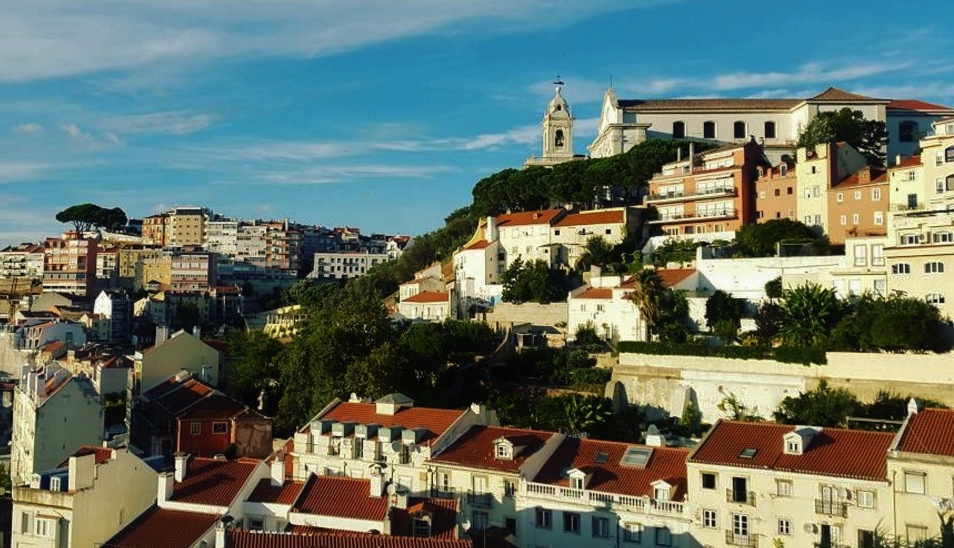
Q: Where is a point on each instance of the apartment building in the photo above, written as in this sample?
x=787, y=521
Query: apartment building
x=818, y=169
x=937, y=154
x=186, y=226
x=69, y=264
x=155, y=229
x=569, y=235
x=345, y=265
x=907, y=189
x=775, y=192
x=22, y=261
x=192, y=270
x=858, y=205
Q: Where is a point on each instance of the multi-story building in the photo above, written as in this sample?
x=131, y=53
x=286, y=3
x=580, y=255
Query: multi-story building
x=192, y=270
x=435, y=306
x=858, y=205
x=569, y=235
x=221, y=236
x=762, y=484
x=152, y=366
x=22, y=261
x=937, y=154
x=776, y=193
x=131, y=273
x=345, y=265
x=251, y=241
x=712, y=192
x=69, y=264
x=908, y=121
x=115, y=306
x=155, y=229
x=907, y=189
x=918, y=262
x=817, y=169
x=863, y=269
x=526, y=235
x=186, y=226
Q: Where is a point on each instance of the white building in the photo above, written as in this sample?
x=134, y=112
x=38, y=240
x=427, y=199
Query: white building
x=344, y=265
x=221, y=236
x=432, y=306
x=22, y=261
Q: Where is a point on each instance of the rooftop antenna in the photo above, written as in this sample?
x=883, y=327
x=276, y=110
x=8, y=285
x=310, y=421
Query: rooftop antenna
x=558, y=83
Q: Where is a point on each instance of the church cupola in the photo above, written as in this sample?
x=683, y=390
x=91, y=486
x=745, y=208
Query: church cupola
x=558, y=126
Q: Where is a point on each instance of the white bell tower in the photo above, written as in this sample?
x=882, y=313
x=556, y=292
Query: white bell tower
x=557, y=132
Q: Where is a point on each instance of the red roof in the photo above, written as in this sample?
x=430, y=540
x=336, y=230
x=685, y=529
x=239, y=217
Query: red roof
x=213, y=482
x=596, y=293
x=287, y=493
x=915, y=104
x=929, y=432
x=342, y=497
x=541, y=217
x=859, y=454
x=875, y=176
x=255, y=539
x=670, y=276
x=593, y=218
x=176, y=529
x=479, y=244
x=443, y=517
x=103, y=454
x=428, y=297
x=476, y=448
x=436, y=421
x=908, y=161
x=178, y=396
x=665, y=463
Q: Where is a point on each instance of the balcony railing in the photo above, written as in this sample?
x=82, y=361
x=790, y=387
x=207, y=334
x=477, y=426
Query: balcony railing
x=598, y=498
x=443, y=493
x=685, y=217
x=740, y=497
x=480, y=500
x=683, y=196
x=831, y=508
x=735, y=539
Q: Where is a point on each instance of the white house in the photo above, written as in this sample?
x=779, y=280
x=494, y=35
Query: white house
x=427, y=305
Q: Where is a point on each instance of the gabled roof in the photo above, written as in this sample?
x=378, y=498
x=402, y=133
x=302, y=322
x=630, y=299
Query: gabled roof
x=915, y=104
x=907, y=161
x=670, y=276
x=541, y=217
x=177, y=396
x=596, y=293
x=435, y=421
x=428, y=297
x=176, y=529
x=875, y=176
x=476, y=448
x=237, y=538
x=341, y=497
x=858, y=454
x=836, y=94
x=609, y=475
x=286, y=493
x=479, y=244
x=929, y=432
x=443, y=514
x=213, y=482
x=598, y=217
x=103, y=454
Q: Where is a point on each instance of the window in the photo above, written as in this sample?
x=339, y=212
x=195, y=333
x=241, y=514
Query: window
x=770, y=134
x=916, y=533
x=844, y=220
x=875, y=194
x=934, y=298
x=708, y=130
x=878, y=218
x=480, y=520
x=790, y=191
x=510, y=524
x=866, y=539
x=544, y=518
x=908, y=131
x=357, y=448
x=43, y=528
x=739, y=487
x=663, y=536
x=558, y=139
x=877, y=254
x=740, y=525
x=26, y=523
x=600, y=527
x=510, y=488
x=861, y=255
x=405, y=456
x=865, y=499
x=571, y=523
x=708, y=481
x=196, y=428
x=636, y=456
x=880, y=287
x=609, y=231
x=934, y=267
x=783, y=488
x=949, y=185
x=840, y=197
x=901, y=268
x=632, y=532
x=939, y=186
x=855, y=218
x=738, y=130
x=914, y=482
x=784, y=526
x=576, y=483
x=256, y=523
x=857, y=195
x=710, y=519
x=678, y=130
x=503, y=451
x=220, y=427
x=421, y=527
x=909, y=239
x=941, y=238
x=949, y=154
x=778, y=192
x=762, y=194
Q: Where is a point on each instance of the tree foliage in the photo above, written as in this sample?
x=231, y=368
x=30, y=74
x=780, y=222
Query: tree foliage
x=532, y=282
x=896, y=323
x=596, y=252
x=869, y=137
x=675, y=251
x=821, y=406
x=759, y=240
x=722, y=307
x=85, y=216
x=309, y=293
x=663, y=310
x=809, y=313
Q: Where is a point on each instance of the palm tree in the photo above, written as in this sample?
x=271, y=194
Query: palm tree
x=584, y=413
x=809, y=313
x=649, y=296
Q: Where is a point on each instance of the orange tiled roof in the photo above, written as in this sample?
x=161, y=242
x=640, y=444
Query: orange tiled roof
x=597, y=217
x=541, y=217
x=914, y=104
x=428, y=297
x=908, y=161
x=103, y=454
x=286, y=493
x=479, y=244
x=443, y=517
x=177, y=529
x=859, y=454
x=665, y=463
x=476, y=448
x=596, y=293
x=877, y=176
x=435, y=421
x=341, y=497
x=929, y=432
x=670, y=276
x=213, y=482
x=836, y=94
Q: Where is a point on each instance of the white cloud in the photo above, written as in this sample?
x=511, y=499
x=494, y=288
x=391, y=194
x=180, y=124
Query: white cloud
x=808, y=73
x=28, y=129
x=20, y=171
x=172, y=122
x=344, y=173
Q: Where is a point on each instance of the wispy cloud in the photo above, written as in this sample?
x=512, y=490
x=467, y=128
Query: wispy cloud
x=28, y=129
x=808, y=73
x=21, y=171
x=172, y=122
x=344, y=173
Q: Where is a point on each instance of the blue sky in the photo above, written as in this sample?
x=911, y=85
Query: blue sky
x=383, y=114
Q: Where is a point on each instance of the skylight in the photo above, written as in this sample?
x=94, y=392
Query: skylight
x=637, y=456
x=747, y=453
x=601, y=458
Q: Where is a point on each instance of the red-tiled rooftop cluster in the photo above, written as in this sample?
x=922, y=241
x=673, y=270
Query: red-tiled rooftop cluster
x=435, y=421
x=166, y=528
x=476, y=448
x=213, y=482
x=286, y=493
x=929, y=432
x=341, y=497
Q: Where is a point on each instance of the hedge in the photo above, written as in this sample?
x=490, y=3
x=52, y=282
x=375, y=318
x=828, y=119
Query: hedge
x=783, y=354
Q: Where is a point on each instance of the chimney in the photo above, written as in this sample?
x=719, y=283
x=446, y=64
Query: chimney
x=654, y=438
x=181, y=460
x=197, y=332
x=897, y=159
x=864, y=176
x=162, y=334
x=401, y=498
x=40, y=385
x=914, y=405
x=81, y=471
x=278, y=469
x=679, y=154
x=166, y=484
x=220, y=533
x=377, y=482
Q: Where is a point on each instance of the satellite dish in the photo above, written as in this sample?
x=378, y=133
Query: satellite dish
x=396, y=446
x=465, y=524
x=392, y=489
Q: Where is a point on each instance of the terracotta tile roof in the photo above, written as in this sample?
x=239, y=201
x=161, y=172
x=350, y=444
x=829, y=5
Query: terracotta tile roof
x=708, y=104
x=215, y=406
x=436, y=421
x=914, y=104
x=479, y=244
x=542, y=217
x=929, y=432
x=834, y=452
x=670, y=276
x=476, y=448
x=341, y=497
x=443, y=514
x=178, y=396
x=256, y=539
x=213, y=482
x=596, y=293
x=665, y=463
x=592, y=218
x=221, y=346
x=907, y=161
x=103, y=454
x=876, y=176
x=428, y=297
x=176, y=529
x=836, y=94
x=286, y=493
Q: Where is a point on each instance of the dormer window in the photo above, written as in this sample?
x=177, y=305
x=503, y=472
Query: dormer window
x=577, y=479
x=661, y=490
x=503, y=449
x=421, y=526
x=793, y=447
x=576, y=483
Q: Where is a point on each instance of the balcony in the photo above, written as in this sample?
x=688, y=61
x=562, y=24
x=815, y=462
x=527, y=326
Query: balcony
x=831, y=508
x=676, y=197
x=443, y=493
x=691, y=217
x=480, y=500
x=600, y=499
x=734, y=539
x=740, y=497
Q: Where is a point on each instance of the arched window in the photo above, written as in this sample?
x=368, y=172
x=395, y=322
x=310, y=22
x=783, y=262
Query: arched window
x=901, y=268
x=709, y=130
x=908, y=131
x=949, y=154
x=769, y=130
x=558, y=139
x=738, y=130
x=678, y=130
